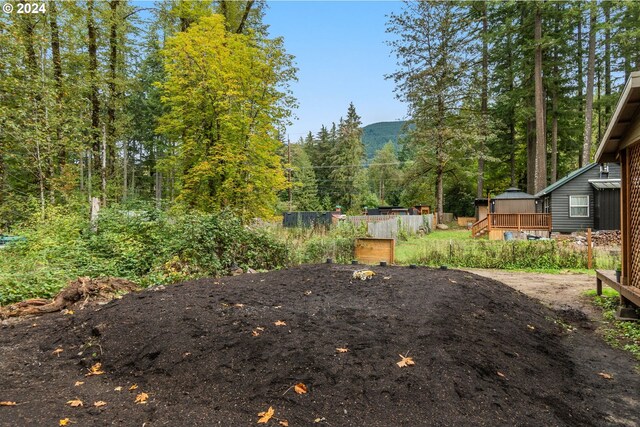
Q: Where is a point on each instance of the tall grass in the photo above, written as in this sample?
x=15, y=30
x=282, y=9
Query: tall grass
x=482, y=253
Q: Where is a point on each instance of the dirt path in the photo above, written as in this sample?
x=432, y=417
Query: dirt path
x=557, y=291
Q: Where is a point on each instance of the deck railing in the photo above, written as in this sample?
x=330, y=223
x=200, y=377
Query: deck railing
x=516, y=221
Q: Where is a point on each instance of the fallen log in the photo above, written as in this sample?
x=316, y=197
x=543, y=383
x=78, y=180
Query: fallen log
x=83, y=289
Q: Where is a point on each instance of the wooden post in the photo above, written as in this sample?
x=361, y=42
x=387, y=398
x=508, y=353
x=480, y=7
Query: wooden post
x=518, y=222
x=589, y=251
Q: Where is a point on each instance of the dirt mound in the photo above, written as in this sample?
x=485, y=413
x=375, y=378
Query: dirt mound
x=221, y=351
x=81, y=291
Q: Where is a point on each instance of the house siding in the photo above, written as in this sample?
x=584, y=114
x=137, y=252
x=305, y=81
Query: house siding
x=579, y=186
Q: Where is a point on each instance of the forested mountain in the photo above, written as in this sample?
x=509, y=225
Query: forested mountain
x=376, y=135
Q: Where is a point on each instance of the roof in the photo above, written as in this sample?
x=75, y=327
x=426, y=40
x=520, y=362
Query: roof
x=605, y=184
x=566, y=179
x=513, y=193
x=627, y=108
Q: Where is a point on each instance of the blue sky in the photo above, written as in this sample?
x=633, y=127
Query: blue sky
x=342, y=57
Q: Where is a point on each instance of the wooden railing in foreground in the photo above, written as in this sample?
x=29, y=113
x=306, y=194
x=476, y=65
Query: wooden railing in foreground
x=516, y=221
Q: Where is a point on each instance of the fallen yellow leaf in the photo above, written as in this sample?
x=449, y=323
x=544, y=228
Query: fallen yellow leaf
x=238, y=305
x=606, y=376
x=64, y=422
x=142, y=398
x=531, y=327
x=6, y=403
x=133, y=387
x=284, y=423
x=75, y=402
x=342, y=350
x=280, y=323
x=119, y=388
x=78, y=383
x=405, y=361
x=99, y=403
x=300, y=388
x=266, y=416
x=57, y=351
x=95, y=370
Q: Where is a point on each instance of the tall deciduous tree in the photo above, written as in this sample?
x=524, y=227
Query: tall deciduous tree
x=225, y=99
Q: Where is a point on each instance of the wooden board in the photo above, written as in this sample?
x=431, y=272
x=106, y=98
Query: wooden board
x=464, y=221
x=372, y=250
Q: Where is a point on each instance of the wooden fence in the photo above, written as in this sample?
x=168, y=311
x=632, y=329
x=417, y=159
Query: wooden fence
x=388, y=226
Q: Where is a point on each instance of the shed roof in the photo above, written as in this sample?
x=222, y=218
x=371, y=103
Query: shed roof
x=563, y=181
x=513, y=193
x=605, y=184
x=627, y=109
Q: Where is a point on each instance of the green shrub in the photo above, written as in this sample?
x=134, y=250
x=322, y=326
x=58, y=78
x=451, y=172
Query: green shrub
x=137, y=242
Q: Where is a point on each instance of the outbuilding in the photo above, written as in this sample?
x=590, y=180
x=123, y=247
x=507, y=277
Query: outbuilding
x=588, y=197
x=621, y=143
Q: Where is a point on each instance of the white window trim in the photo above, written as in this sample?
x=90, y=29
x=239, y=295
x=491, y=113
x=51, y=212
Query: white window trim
x=578, y=206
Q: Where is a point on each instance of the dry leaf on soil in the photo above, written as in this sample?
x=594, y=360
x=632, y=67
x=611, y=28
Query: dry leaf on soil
x=280, y=323
x=317, y=420
x=531, y=327
x=95, y=370
x=75, y=403
x=57, y=351
x=99, y=403
x=133, y=387
x=606, y=376
x=266, y=416
x=300, y=388
x=78, y=383
x=342, y=350
x=255, y=333
x=405, y=361
x=6, y=403
x=284, y=423
x=119, y=388
x=142, y=398
x=64, y=422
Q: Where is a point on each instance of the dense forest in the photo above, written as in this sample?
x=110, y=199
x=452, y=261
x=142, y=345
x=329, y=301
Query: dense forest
x=184, y=104
x=500, y=94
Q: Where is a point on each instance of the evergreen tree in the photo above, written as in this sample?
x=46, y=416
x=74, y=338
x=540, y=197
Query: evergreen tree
x=347, y=157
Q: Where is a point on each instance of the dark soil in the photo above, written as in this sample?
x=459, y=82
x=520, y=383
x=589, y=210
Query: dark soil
x=484, y=354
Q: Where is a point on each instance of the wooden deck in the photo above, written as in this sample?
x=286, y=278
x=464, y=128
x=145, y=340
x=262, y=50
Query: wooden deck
x=516, y=221
x=608, y=277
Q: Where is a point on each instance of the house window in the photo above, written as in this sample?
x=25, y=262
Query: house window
x=578, y=206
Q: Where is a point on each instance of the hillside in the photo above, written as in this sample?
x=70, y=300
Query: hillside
x=376, y=135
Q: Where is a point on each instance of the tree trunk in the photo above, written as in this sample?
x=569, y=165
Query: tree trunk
x=57, y=77
x=93, y=76
x=554, y=138
x=580, y=77
x=484, y=101
x=607, y=59
x=588, y=113
x=541, y=143
x=245, y=15
x=103, y=169
x=531, y=156
x=111, y=105
x=125, y=163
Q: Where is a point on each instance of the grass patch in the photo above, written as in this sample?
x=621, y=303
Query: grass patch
x=619, y=334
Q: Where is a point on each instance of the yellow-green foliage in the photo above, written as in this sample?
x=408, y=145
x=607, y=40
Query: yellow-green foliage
x=226, y=99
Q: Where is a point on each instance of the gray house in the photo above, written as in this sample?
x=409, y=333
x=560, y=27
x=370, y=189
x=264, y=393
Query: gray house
x=586, y=198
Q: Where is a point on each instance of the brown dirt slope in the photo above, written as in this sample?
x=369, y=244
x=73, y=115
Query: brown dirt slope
x=484, y=354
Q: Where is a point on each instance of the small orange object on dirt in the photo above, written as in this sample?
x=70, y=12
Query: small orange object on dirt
x=266, y=415
x=405, y=361
x=300, y=388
